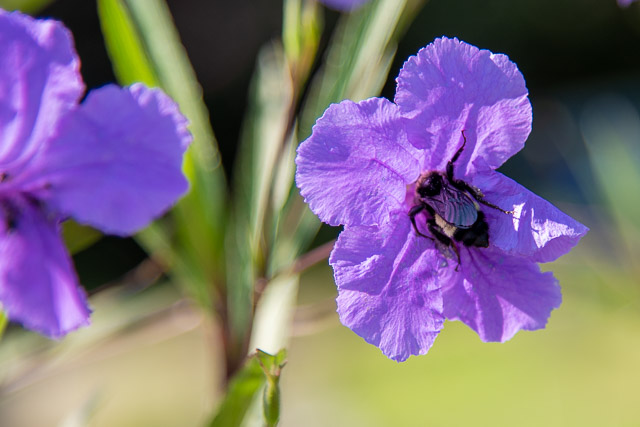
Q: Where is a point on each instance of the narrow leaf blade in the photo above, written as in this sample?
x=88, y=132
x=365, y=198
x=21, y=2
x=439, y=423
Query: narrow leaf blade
x=241, y=393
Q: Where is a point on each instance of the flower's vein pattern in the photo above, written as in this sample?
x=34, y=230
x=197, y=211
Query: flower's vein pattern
x=112, y=162
x=396, y=282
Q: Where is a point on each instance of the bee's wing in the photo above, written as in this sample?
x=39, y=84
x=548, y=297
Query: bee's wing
x=455, y=206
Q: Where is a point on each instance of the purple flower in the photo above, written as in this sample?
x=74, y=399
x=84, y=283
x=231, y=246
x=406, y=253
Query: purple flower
x=113, y=162
x=344, y=5
x=625, y=3
x=398, y=283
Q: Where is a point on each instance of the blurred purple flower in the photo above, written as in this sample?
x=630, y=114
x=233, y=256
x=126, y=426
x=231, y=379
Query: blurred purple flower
x=625, y=3
x=359, y=169
x=113, y=162
x=344, y=5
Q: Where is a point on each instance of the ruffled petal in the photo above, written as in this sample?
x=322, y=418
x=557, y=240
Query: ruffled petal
x=537, y=229
x=388, y=291
x=38, y=286
x=450, y=87
x=117, y=162
x=39, y=82
x=355, y=166
x=496, y=294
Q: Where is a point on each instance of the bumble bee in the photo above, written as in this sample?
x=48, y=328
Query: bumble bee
x=454, y=209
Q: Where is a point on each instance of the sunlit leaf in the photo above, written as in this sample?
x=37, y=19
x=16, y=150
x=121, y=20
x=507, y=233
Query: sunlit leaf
x=274, y=314
x=130, y=62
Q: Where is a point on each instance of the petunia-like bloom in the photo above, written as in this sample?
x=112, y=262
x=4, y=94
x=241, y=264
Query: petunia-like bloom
x=344, y=5
x=398, y=283
x=112, y=162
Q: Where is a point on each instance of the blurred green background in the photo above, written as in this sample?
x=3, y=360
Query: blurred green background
x=150, y=357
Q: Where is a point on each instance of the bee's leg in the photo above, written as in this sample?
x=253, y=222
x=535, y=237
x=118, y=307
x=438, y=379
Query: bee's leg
x=455, y=249
x=491, y=205
x=455, y=157
x=412, y=215
x=444, y=240
x=477, y=194
x=461, y=185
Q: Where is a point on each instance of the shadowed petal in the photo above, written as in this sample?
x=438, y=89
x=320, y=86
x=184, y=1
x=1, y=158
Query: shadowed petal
x=537, y=229
x=38, y=286
x=117, y=162
x=387, y=288
x=355, y=166
x=39, y=82
x=451, y=86
x=496, y=294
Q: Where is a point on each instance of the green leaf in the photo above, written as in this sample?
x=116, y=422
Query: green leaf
x=359, y=56
x=272, y=367
x=4, y=321
x=357, y=64
x=241, y=393
x=78, y=237
x=260, y=369
x=301, y=30
x=26, y=6
x=201, y=215
x=274, y=314
x=264, y=179
x=265, y=129
x=129, y=60
x=144, y=46
x=265, y=159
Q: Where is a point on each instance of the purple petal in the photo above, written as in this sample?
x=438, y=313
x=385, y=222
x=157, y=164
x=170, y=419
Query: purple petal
x=537, y=229
x=117, y=162
x=387, y=288
x=39, y=82
x=625, y=3
x=496, y=294
x=451, y=86
x=344, y=5
x=355, y=166
x=38, y=286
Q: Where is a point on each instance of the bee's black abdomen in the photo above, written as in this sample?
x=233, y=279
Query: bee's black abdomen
x=477, y=235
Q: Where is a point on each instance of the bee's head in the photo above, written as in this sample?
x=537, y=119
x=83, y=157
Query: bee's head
x=429, y=185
